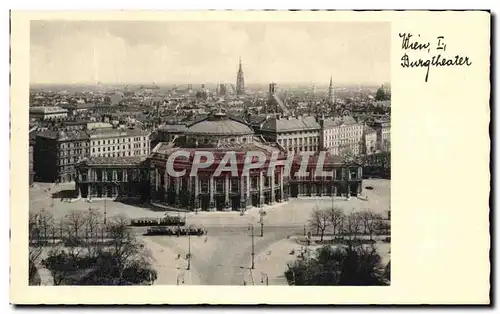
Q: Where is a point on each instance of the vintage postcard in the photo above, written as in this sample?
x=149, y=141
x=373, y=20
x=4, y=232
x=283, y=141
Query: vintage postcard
x=277, y=157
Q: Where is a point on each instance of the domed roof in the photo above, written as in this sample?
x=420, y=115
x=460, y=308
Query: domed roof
x=219, y=124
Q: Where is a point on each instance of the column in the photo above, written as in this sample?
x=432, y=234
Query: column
x=261, y=188
x=196, y=193
x=156, y=178
x=312, y=186
x=273, y=196
x=227, y=206
x=211, y=188
x=177, y=191
x=281, y=185
x=242, y=193
x=124, y=175
x=348, y=182
x=248, y=187
x=166, y=179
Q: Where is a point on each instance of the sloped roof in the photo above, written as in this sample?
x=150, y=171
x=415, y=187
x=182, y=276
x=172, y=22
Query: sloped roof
x=219, y=124
x=337, y=122
x=289, y=124
x=173, y=127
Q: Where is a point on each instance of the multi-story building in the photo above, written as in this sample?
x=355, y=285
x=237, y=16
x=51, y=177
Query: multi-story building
x=294, y=134
x=118, y=142
x=383, y=128
x=105, y=177
x=57, y=152
x=369, y=140
x=209, y=190
x=48, y=113
x=341, y=133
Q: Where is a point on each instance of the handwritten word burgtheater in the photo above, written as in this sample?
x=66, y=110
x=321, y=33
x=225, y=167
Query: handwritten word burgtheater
x=435, y=61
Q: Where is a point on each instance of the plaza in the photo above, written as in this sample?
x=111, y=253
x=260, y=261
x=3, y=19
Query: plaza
x=223, y=256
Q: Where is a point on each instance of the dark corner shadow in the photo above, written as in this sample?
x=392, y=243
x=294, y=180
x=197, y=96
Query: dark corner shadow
x=492, y=156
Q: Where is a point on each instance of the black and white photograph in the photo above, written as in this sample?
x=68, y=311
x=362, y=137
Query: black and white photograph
x=209, y=153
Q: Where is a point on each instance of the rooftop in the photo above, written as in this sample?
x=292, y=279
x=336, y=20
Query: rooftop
x=289, y=124
x=46, y=110
x=219, y=124
x=173, y=127
x=337, y=122
x=73, y=135
x=116, y=132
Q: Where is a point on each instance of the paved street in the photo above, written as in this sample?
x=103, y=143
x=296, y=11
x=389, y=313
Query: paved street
x=223, y=257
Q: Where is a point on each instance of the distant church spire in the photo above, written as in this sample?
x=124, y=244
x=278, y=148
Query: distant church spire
x=331, y=94
x=240, y=81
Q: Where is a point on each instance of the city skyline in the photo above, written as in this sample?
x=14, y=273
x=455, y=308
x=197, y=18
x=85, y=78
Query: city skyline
x=88, y=52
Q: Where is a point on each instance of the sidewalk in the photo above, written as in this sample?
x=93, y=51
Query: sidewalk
x=271, y=264
x=171, y=270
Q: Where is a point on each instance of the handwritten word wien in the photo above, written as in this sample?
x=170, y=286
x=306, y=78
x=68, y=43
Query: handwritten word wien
x=436, y=59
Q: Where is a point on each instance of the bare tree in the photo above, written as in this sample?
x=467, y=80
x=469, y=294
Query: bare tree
x=353, y=225
x=370, y=222
x=335, y=216
x=126, y=250
x=74, y=224
x=319, y=221
x=33, y=228
x=46, y=221
x=75, y=221
x=91, y=227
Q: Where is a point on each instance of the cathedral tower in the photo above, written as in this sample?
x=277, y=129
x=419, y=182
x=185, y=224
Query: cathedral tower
x=331, y=93
x=240, y=82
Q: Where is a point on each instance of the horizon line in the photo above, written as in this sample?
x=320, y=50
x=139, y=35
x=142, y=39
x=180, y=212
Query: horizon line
x=310, y=83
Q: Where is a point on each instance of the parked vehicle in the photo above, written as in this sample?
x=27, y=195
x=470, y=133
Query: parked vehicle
x=164, y=231
x=165, y=221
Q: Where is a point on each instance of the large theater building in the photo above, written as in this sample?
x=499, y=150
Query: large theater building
x=210, y=189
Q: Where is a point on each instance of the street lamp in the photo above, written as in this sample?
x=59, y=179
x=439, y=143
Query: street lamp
x=253, y=247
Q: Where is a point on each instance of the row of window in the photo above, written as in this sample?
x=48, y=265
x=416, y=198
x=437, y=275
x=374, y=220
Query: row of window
x=110, y=175
x=298, y=141
x=67, y=161
x=208, y=140
x=116, y=148
x=122, y=154
x=303, y=149
x=71, y=152
x=119, y=140
x=73, y=145
x=356, y=129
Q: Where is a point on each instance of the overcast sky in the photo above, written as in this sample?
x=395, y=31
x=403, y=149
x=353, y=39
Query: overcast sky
x=207, y=52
